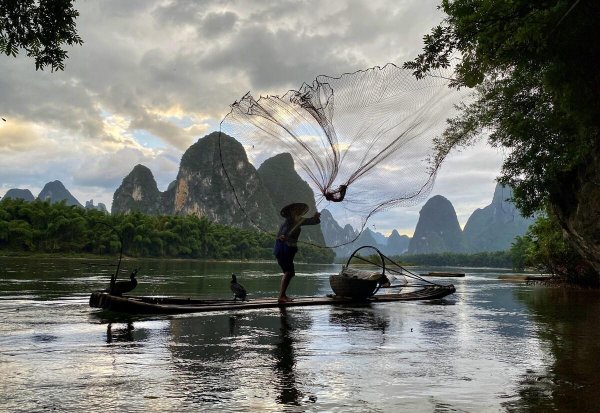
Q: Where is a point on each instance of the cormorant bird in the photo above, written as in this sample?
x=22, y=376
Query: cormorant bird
x=237, y=289
x=125, y=286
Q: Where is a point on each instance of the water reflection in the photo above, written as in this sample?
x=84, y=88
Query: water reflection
x=285, y=363
x=501, y=347
x=364, y=317
x=119, y=335
x=568, y=322
x=249, y=359
x=206, y=359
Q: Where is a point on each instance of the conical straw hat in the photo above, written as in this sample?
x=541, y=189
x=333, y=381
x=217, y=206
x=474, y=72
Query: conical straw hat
x=297, y=209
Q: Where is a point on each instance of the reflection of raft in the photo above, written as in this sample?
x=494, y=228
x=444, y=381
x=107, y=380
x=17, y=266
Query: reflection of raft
x=445, y=274
x=524, y=277
x=160, y=305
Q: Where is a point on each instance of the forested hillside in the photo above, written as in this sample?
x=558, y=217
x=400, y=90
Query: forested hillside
x=42, y=227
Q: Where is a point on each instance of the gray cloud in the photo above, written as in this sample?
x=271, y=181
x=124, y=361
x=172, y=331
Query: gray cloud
x=180, y=12
x=267, y=59
x=169, y=132
x=169, y=68
x=215, y=24
x=108, y=171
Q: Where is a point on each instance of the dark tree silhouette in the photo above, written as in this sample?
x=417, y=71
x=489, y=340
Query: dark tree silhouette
x=42, y=28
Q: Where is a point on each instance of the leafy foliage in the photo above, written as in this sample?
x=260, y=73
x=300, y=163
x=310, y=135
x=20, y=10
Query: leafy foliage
x=534, y=67
x=495, y=259
x=520, y=251
x=41, y=28
x=57, y=228
x=545, y=248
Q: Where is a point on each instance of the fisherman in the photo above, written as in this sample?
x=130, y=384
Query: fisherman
x=287, y=240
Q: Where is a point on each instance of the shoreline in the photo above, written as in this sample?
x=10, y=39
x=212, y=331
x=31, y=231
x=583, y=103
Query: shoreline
x=129, y=258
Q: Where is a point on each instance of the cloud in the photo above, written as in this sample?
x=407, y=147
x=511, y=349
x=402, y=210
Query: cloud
x=215, y=24
x=18, y=136
x=178, y=137
x=154, y=75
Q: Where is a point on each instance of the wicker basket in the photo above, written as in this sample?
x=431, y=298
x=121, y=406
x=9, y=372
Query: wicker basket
x=356, y=283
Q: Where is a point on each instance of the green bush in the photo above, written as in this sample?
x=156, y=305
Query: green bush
x=548, y=251
x=42, y=227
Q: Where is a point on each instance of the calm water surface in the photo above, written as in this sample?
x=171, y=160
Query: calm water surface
x=493, y=346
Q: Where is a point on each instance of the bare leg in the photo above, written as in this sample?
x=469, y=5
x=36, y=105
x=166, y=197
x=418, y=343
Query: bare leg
x=285, y=282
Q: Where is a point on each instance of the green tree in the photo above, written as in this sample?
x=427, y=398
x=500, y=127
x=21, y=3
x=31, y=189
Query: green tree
x=57, y=228
x=550, y=253
x=519, y=253
x=534, y=68
x=41, y=28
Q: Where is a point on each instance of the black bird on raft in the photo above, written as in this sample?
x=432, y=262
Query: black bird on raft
x=237, y=289
x=125, y=286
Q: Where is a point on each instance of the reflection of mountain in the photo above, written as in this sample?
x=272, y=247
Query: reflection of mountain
x=566, y=320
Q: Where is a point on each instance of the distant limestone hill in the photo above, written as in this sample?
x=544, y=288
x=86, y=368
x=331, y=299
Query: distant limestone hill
x=285, y=186
x=16, y=193
x=367, y=237
x=100, y=207
x=202, y=188
x=396, y=244
x=334, y=234
x=437, y=229
x=55, y=191
x=138, y=193
x=495, y=227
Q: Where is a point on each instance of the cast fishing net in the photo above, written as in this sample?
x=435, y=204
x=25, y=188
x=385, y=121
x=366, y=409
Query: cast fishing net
x=362, y=140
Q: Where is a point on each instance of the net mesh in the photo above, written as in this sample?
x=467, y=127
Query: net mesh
x=361, y=140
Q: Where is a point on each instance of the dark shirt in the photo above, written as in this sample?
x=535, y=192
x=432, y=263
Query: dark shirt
x=290, y=229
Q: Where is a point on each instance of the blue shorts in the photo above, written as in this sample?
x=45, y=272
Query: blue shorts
x=285, y=256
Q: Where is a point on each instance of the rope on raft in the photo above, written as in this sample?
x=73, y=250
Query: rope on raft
x=403, y=271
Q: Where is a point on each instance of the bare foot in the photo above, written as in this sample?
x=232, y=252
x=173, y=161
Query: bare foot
x=284, y=299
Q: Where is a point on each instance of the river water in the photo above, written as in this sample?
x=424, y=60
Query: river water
x=492, y=346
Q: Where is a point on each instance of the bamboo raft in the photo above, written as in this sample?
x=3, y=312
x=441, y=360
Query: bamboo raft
x=445, y=274
x=169, y=305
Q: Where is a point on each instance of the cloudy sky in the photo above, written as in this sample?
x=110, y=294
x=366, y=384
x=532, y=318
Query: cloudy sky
x=154, y=76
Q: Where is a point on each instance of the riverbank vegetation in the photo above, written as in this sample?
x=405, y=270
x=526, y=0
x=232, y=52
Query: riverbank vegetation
x=495, y=259
x=533, y=68
x=545, y=248
x=41, y=227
